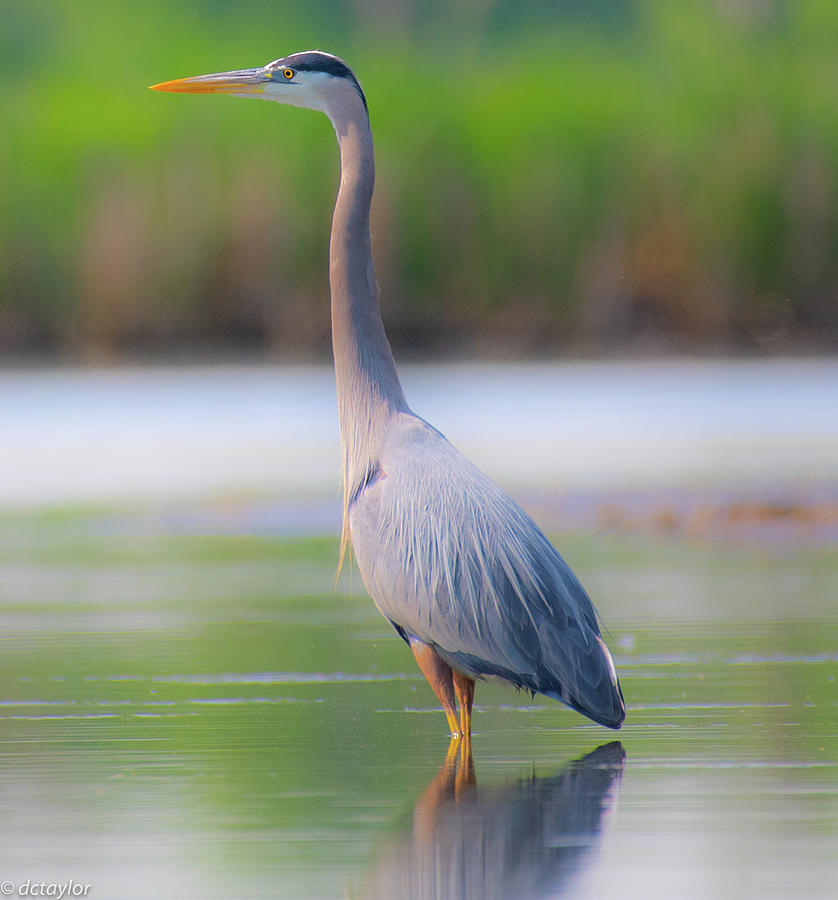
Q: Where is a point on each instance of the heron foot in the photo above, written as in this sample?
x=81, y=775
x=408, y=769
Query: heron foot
x=453, y=727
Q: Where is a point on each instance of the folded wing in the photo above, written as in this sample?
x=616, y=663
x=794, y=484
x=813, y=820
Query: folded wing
x=451, y=560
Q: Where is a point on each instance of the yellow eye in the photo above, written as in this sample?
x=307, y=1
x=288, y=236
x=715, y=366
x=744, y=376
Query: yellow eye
x=288, y=73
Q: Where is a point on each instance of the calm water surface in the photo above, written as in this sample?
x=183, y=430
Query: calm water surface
x=190, y=708
x=189, y=716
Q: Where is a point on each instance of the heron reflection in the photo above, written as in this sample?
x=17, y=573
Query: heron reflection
x=530, y=839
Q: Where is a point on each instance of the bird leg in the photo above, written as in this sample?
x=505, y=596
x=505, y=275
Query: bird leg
x=440, y=678
x=464, y=689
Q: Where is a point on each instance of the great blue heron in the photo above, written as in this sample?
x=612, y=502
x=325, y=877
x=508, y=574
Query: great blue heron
x=457, y=567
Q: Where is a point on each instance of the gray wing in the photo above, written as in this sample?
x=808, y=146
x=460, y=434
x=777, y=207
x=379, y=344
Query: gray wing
x=451, y=560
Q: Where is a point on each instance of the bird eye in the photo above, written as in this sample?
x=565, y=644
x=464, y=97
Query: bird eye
x=288, y=73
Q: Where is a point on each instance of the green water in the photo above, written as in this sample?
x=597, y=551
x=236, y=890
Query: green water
x=209, y=716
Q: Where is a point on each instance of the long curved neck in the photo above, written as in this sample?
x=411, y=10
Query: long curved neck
x=368, y=387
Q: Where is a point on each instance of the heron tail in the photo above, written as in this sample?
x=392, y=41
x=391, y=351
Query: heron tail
x=600, y=699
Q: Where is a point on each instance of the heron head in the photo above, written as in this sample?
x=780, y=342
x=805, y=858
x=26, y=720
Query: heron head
x=312, y=79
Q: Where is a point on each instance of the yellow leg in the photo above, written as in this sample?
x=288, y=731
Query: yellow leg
x=464, y=689
x=440, y=678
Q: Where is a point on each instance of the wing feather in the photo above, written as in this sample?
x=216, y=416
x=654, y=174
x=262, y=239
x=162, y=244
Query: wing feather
x=451, y=560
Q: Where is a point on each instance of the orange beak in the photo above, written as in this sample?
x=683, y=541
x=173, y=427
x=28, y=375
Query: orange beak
x=243, y=81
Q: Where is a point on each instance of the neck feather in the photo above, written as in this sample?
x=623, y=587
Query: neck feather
x=368, y=388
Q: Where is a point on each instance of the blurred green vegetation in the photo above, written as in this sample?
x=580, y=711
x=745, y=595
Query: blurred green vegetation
x=623, y=175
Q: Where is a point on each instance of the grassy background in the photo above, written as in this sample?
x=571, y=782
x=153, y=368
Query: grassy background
x=614, y=176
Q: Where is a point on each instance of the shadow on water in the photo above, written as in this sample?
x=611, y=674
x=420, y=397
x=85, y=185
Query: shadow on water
x=526, y=840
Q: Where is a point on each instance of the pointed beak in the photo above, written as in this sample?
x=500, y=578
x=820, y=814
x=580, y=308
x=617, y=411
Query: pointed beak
x=243, y=81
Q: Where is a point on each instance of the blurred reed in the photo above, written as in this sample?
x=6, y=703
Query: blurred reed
x=633, y=175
